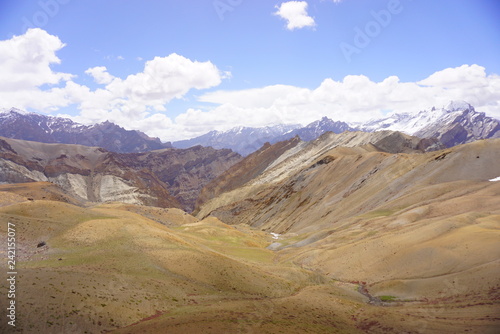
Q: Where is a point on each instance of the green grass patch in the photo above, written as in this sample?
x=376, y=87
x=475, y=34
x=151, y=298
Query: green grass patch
x=387, y=298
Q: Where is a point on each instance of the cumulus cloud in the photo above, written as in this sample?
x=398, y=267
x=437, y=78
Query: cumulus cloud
x=100, y=74
x=25, y=62
x=295, y=13
x=163, y=79
x=137, y=101
x=251, y=98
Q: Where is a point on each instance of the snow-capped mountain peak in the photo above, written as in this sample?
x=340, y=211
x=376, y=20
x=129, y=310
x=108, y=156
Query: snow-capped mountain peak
x=241, y=139
x=12, y=111
x=453, y=124
x=460, y=123
x=458, y=105
x=412, y=123
x=404, y=122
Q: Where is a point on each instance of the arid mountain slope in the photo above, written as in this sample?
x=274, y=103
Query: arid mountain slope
x=304, y=156
x=20, y=192
x=413, y=225
x=107, y=267
x=165, y=178
x=246, y=170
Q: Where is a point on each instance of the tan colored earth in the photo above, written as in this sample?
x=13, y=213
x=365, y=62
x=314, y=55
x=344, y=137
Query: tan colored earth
x=370, y=242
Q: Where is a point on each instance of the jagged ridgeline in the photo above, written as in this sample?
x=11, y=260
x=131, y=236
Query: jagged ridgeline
x=456, y=123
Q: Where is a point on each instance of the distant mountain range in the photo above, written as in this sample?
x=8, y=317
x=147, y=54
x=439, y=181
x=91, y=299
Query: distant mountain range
x=457, y=123
x=317, y=128
x=244, y=140
x=18, y=124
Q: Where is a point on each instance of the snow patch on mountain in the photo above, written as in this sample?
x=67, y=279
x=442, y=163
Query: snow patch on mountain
x=244, y=140
x=12, y=111
x=457, y=106
x=409, y=123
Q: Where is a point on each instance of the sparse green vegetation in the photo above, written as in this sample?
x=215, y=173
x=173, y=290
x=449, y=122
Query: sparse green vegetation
x=387, y=298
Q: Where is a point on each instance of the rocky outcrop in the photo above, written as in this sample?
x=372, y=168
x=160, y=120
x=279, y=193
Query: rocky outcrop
x=164, y=178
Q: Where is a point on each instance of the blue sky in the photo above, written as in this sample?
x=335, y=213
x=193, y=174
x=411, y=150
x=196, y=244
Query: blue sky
x=242, y=62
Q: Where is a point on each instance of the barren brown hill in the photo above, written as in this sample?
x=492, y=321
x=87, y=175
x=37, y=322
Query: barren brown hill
x=341, y=176
x=413, y=226
x=164, y=178
x=255, y=164
x=20, y=192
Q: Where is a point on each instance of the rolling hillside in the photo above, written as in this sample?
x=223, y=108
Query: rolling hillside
x=350, y=233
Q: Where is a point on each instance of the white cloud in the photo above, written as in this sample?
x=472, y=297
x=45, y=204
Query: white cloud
x=100, y=75
x=251, y=98
x=295, y=13
x=163, y=79
x=26, y=71
x=136, y=101
x=25, y=66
